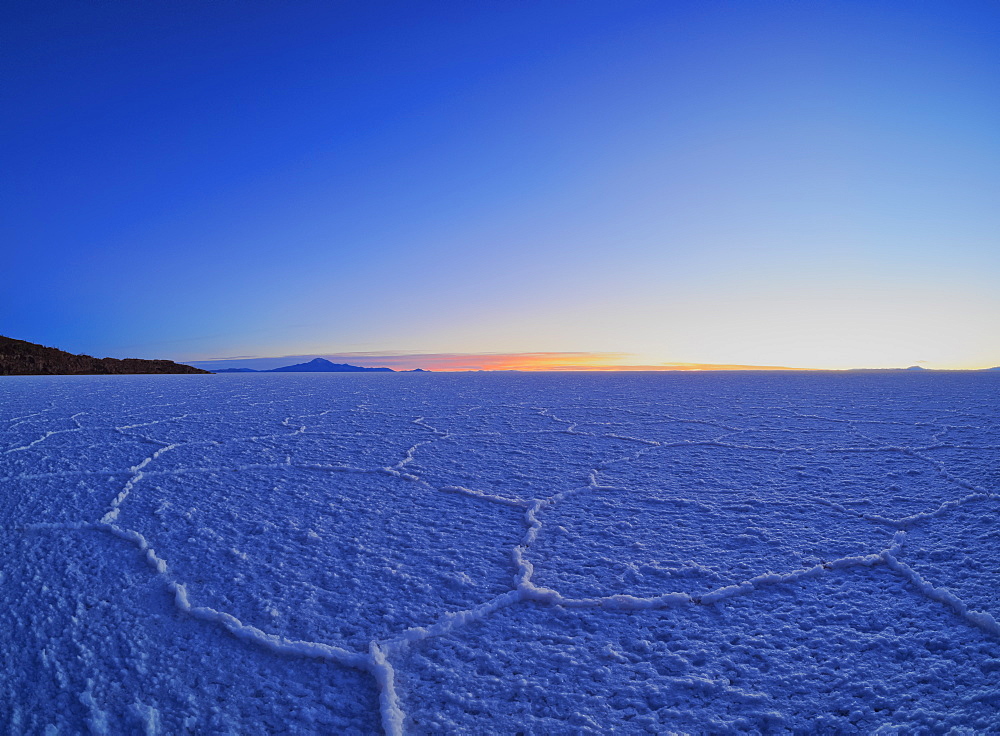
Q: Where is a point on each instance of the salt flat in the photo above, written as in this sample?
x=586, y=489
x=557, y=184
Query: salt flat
x=500, y=553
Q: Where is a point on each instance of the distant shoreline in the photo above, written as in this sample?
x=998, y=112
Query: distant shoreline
x=22, y=358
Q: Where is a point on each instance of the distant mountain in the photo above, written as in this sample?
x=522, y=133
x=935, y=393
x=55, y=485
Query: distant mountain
x=319, y=365
x=21, y=358
x=322, y=365
x=916, y=368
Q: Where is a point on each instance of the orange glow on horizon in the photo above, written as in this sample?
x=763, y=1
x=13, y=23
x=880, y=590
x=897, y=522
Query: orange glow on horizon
x=675, y=367
x=542, y=361
x=568, y=362
x=527, y=362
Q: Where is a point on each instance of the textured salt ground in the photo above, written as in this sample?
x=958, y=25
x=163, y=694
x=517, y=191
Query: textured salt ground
x=979, y=467
x=888, y=483
x=519, y=465
x=100, y=649
x=500, y=553
x=902, y=433
x=957, y=551
x=342, y=558
x=489, y=421
x=611, y=541
x=850, y=652
x=368, y=450
x=702, y=471
x=975, y=430
x=73, y=449
x=58, y=498
x=813, y=437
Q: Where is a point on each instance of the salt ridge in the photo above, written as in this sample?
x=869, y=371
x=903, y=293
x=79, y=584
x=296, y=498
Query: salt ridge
x=377, y=659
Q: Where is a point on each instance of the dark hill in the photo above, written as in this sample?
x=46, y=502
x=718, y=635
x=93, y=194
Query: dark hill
x=322, y=365
x=20, y=358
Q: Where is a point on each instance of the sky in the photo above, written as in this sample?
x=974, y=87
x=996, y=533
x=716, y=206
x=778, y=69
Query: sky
x=504, y=184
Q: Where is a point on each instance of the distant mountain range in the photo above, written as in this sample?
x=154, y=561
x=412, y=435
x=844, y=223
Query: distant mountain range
x=319, y=365
x=21, y=358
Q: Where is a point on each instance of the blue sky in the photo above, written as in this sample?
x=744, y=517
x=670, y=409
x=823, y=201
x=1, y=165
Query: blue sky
x=801, y=183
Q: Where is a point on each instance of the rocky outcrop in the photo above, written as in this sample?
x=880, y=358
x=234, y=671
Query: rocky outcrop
x=21, y=358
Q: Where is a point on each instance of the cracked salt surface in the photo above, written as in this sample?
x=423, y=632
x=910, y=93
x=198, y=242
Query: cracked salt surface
x=500, y=553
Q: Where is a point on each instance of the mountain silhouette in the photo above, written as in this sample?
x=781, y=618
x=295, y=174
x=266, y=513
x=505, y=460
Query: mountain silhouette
x=319, y=365
x=22, y=358
x=322, y=365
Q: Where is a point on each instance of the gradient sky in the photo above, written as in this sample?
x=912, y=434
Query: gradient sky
x=799, y=183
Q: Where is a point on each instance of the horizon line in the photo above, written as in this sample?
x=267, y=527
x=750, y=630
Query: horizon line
x=562, y=362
